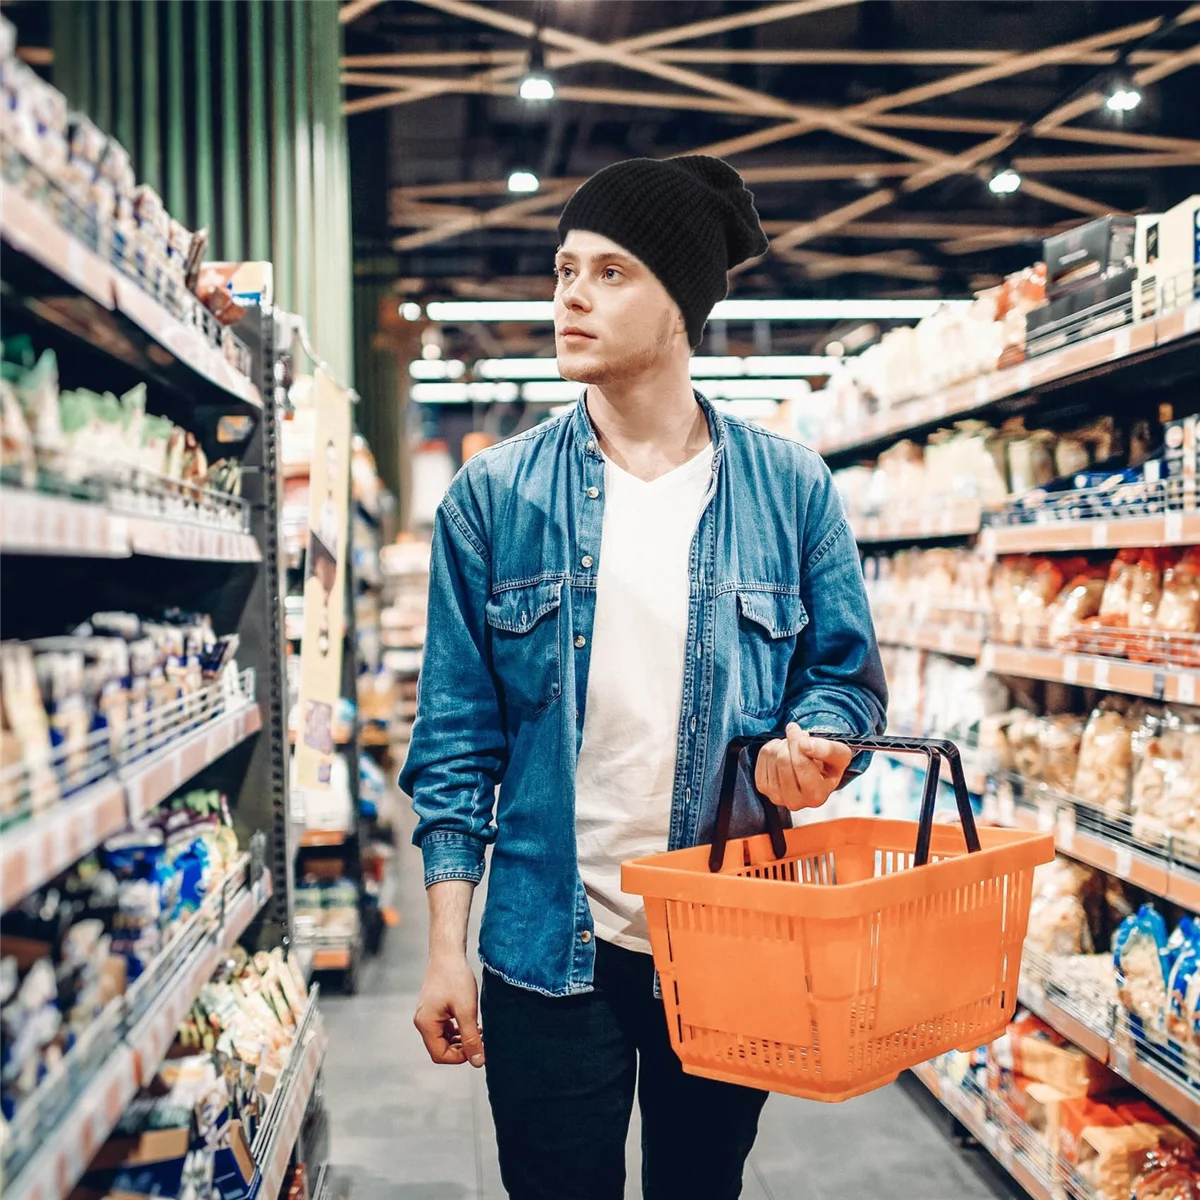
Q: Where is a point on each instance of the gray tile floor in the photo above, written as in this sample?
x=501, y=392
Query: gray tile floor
x=404, y=1129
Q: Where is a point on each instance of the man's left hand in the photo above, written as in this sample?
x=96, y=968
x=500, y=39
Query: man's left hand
x=801, y=771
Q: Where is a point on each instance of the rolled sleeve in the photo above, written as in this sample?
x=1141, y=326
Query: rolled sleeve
x=449, y=855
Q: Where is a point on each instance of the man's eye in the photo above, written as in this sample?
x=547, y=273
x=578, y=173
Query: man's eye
x=611, y=273
x=562, y=272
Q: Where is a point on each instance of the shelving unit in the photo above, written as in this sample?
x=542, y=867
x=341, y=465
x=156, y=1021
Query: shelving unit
x=231, y=737
x=1123, y=349
x=1127, y=371
x=1106, y=1035
x=969, y=1112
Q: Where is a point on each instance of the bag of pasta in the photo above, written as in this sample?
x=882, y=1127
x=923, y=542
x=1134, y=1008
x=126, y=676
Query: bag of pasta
x=1178, y=613
x=1106, y=758
x=1044, y=582
x=1145, y=595
x=1060, y=738
x=1025, y=744
x=1076, y=603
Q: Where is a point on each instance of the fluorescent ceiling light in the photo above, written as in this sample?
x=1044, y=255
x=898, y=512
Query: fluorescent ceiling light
x=748, y=410
x=792, y=364
x=463, y=393
x=517, y=368
x=410, y=311
x=828, y=310
x=451, y=368
x=756, y=389
x=523, y=182
x=561, y=392
x=703, y=366
x=465, y=311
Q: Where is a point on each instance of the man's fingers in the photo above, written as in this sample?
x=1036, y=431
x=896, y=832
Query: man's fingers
x=472, y=1040
x=834, y=754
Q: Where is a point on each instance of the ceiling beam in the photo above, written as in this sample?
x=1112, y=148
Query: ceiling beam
x=1063, y=133
x=970, y=159
x=941, y=164
x=820, y=265
x=355, y=9
x=481, y=220
x=494, y=87
x=910, y=58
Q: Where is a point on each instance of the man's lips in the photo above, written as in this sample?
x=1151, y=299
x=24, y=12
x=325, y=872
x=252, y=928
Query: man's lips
x=572, y=332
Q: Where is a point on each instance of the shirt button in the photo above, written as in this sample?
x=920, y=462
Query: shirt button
x=585, y=936
x=591, y=446
x=593, y=493
x=693, y=725
x=588, y=560
x=580, y=641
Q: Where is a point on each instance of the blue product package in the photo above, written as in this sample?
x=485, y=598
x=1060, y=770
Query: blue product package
x=1141, y=958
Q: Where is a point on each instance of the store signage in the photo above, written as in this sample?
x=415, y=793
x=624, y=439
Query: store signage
x=324, y=584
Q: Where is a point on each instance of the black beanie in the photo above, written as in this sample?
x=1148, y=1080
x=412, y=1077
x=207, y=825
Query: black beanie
x=690, y=220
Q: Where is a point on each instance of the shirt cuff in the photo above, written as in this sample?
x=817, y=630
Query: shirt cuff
x=450, y=855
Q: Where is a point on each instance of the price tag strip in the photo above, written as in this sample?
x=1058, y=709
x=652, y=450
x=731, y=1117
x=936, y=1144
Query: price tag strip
x=46, y=845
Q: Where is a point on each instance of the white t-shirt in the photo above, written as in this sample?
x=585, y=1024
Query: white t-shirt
x=626, y=770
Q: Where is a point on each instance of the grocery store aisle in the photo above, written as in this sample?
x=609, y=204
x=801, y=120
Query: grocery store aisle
x=406, y=1130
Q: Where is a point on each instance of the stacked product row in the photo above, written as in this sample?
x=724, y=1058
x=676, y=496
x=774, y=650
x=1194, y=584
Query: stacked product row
x=155, y=1040
x=1093, y=278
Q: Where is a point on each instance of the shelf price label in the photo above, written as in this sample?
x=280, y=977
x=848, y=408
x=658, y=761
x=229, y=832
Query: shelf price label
x=1185, y=687
x=1173, y=528
x=1071, y=669
x=1101, y=675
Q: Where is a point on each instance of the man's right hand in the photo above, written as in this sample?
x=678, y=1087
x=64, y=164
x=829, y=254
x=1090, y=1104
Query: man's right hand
x=447, y=1016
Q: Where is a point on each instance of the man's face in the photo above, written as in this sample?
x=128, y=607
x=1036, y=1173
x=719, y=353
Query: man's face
x=613, y=319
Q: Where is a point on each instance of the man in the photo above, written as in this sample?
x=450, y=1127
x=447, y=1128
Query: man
x=614, y=596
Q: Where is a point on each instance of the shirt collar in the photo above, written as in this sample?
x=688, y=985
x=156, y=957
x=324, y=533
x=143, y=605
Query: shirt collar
x=585, y=432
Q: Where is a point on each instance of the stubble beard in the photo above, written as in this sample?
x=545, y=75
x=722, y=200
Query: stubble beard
x=623, y=367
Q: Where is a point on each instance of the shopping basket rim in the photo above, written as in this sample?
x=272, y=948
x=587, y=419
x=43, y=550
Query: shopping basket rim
x=684, y=874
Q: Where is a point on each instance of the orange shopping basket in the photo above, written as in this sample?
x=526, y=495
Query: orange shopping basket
x=824, y=960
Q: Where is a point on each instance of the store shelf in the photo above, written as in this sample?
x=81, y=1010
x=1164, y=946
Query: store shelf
x=312, y=839
x=1104, y=674
x=150, y=781
x=34, y=523
x=1119, y=348
x=169, y=988
x=197, y=543
x=954, y=520
x=30, y=228
x=38, y=523
x=36, y=851
x=277, y=1136
x=1134, y=1062
x=938, y=639
x=332, y=958
x=1169, y=529
x=1152, y=868
x=986, y=1133
x=65, y=1154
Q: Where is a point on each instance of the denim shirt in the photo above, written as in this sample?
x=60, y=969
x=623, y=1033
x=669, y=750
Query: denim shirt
x=778, y=630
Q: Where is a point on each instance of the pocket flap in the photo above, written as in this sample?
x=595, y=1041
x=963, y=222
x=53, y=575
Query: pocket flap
x=519, y=609
x=781, y=614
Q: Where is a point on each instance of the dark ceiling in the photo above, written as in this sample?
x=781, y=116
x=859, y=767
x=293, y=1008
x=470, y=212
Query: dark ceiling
x=905, y=235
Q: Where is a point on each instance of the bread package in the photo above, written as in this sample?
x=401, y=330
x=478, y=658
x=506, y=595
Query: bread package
x=1060, y=740
x=1106, y=759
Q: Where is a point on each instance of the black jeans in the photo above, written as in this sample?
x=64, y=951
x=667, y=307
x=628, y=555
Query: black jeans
x=560, y=1078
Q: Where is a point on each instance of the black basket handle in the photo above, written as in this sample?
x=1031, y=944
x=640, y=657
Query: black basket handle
x=934, y=749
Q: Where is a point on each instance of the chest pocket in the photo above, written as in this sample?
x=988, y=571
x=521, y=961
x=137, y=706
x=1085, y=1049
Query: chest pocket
x=768, y=626
x=526, y=650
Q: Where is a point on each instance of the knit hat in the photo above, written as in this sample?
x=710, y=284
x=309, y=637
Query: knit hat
x=690, y=220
